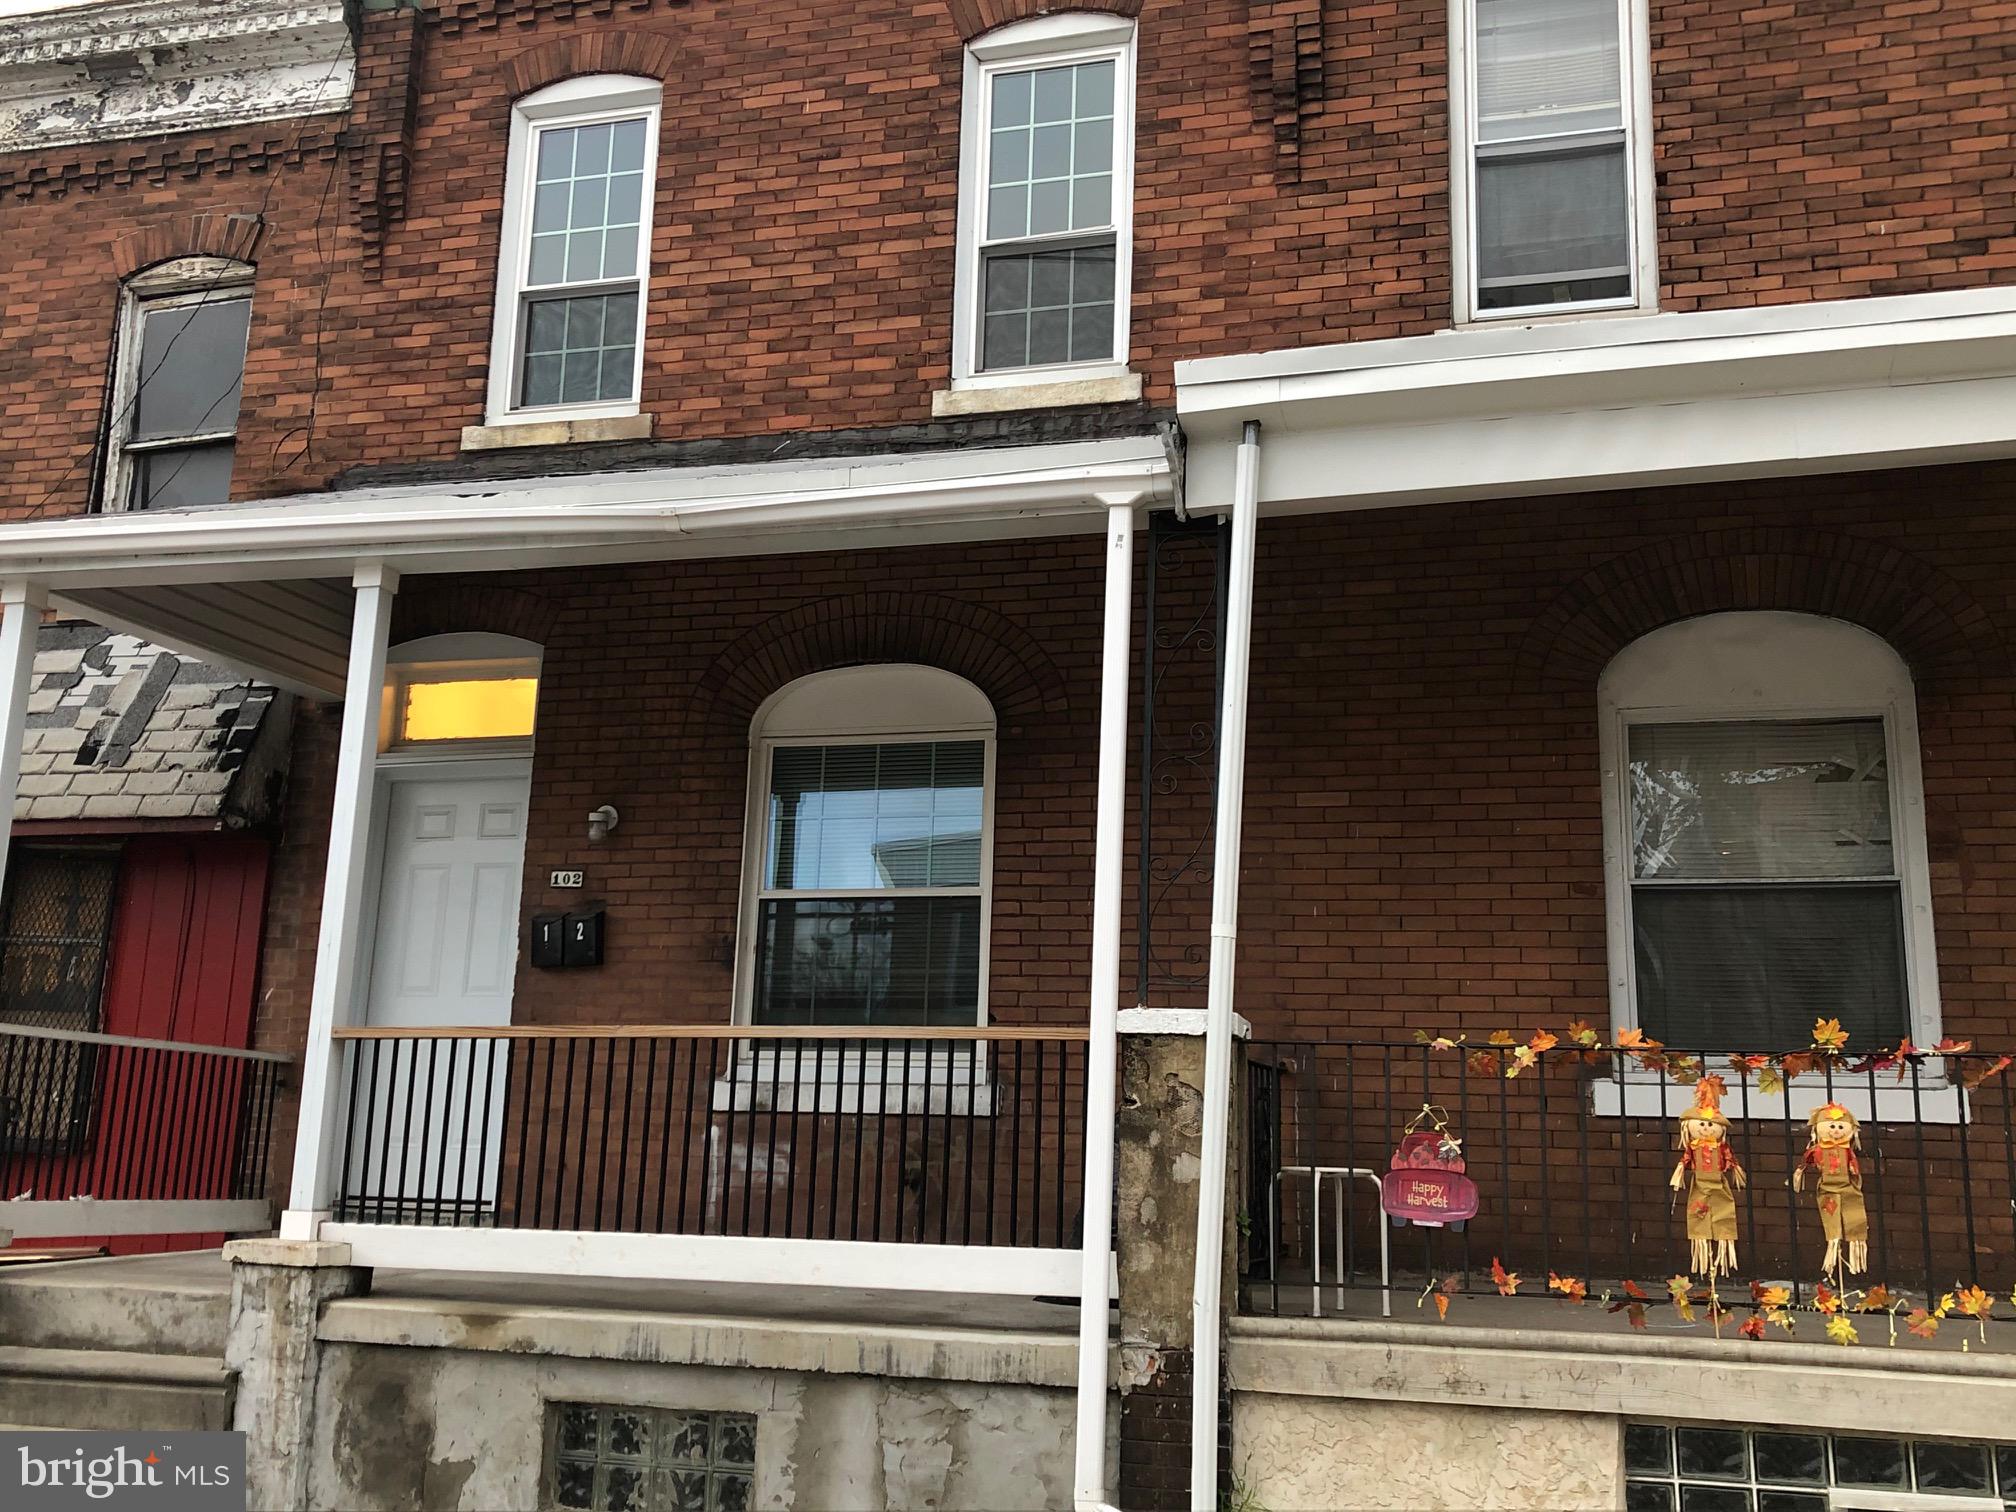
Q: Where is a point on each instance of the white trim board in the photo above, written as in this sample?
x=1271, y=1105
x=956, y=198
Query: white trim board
x=979, y=1270
x=1609, y=402
x=1935, y=1101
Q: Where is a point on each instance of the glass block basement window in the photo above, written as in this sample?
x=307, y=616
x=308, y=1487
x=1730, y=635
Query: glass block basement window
x=1682, y=1468
x=649, y=1459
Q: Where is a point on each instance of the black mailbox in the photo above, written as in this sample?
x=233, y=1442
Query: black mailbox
x=548, y=939
x=583, y=944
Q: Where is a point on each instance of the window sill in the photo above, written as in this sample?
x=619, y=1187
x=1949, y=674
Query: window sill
x=1936, y=1101
x=855, y=1083
x=1052, y=393
x=556, y=432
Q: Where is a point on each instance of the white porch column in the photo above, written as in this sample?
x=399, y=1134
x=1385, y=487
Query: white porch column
x=1102, y=1060
x=1206, y=1292
x=343, y=890
x=20, y=619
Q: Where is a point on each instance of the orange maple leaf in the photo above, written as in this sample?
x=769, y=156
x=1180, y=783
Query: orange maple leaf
x=1506, y=1281
x=1482, y=1063
x=1580, y=1032
x=1951, y=1046
x=1636, y=1039
x=1972, y=1301
x=1876, y=1299
x=1753, y=1327
x=1572, y=1288
x=1828, y=1035
x=1542, y=1042
x=1442, y=1306
x=1825, y=1301
x=1972, y=1079
x=1502, y=1037
x=1633, y=1289
x=1921, y=1323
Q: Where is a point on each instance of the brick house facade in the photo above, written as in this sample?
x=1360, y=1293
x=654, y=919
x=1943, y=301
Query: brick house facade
x=1458, y=534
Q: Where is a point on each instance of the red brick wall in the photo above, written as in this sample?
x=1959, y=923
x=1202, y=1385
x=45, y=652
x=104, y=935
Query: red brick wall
x=1291, y=188
x=1422, y=778
x=1423, y=828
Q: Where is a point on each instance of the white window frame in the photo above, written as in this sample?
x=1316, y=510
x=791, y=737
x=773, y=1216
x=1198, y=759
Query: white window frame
x=588, y=101
x=1048, y=41
x=479, y=654
x=1635, y=61
x=185, y=281
x=1771, y=665
x=929, y=715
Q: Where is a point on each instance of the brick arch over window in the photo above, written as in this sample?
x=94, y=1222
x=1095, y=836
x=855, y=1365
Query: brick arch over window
x=987, y=649
x=486, y=608
x=233, y=236
x=973, y=17
x=639, y=54
x=1934, y=622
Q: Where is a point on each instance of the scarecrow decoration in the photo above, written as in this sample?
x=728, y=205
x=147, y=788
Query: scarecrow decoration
x=1706, y=1172
x=1833, y=1138
x=1425, y=1184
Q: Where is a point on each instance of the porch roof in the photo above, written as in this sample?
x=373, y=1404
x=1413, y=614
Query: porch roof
x=263, y=585
x=1507, y=410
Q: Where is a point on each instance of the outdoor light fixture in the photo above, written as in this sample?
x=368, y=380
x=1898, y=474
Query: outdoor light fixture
x=600, y=822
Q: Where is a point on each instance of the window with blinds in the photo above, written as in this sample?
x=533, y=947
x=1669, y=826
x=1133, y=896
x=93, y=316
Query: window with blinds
x=870, y=905
x=1551, y=155
x=1765, y=890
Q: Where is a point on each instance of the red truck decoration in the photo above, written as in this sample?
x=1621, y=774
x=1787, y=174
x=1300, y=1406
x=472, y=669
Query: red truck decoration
x=1425, y=1184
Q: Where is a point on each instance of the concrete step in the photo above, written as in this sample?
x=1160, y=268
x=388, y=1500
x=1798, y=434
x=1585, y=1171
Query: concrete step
x=101, y=1388
x=165, y=1304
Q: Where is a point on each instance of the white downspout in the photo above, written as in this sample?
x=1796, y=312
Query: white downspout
x=20, y=627
x=1101, y=1059
x=1205, y=1292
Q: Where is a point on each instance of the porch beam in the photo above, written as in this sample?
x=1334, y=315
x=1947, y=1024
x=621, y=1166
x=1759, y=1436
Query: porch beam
x=339, y=946
x=21, y=606
x=1102, y=1059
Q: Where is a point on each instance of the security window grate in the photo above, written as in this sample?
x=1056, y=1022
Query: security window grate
x=1688, y=1468
x=55, y=919
x=612, y=1458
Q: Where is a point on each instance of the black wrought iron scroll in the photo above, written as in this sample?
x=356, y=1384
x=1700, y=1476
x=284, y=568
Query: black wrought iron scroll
x=1184, y=622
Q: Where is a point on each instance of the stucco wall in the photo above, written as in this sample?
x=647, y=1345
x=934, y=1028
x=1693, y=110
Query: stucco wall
x=409, y=1428
x=1292, y=1453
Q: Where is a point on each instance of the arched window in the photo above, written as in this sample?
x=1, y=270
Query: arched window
x=1765, y=836
x=869, y=851
x=567, y=342
x=181, y=362
x=462, y=693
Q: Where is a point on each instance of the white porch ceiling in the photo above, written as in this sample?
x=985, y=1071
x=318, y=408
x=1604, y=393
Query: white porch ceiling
x=264, y=585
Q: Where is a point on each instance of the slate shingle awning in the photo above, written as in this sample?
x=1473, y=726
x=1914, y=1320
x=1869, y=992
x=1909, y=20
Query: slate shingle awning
x=119, y=729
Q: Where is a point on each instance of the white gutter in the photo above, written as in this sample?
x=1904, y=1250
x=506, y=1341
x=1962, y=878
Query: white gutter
x=1102, y=1060
x=1206, y=1299
x=609, y=511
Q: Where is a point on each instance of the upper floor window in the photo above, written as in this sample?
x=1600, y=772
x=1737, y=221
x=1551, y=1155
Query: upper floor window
x=181, y=364
x=1766, y=836
x=573, y=268
x=870, y=850
x=1046, y=195
x=1553, y=200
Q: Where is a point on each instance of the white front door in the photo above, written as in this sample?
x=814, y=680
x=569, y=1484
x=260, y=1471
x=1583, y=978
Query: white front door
x=445, y=953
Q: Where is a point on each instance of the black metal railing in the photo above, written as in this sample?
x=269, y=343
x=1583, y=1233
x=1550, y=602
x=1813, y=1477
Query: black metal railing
x=1573, y=1157
x=971, y=1137
x=116, y=1118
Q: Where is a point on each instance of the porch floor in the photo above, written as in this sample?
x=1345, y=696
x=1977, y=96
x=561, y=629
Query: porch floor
x=1537, y=1312
x=198, y=1274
